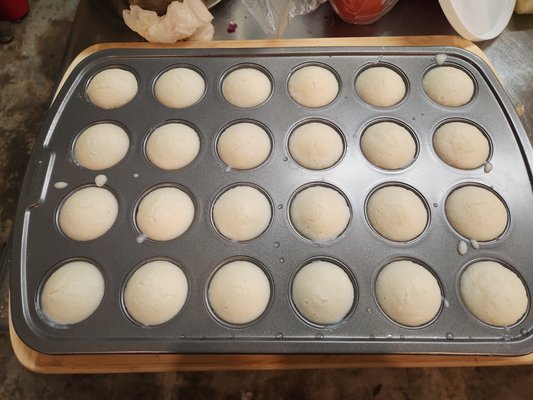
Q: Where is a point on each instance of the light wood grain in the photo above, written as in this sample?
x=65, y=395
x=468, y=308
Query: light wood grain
x=105, y=363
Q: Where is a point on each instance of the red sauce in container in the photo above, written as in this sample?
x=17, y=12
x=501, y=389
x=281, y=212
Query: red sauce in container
x=361, y=11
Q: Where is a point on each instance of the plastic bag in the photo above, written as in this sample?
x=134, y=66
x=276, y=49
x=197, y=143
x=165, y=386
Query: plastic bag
x=362, y=11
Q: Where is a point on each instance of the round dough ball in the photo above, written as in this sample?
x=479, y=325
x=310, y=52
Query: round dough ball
x=242, y=213
x=397, y=213
x=388, y=145
x=380, y=86
x=165, y=213
x=172, y=146
x=476, y=213
x=72, y=293
x=239, y=292
x=448, y=86
x=88, y=213
x=246, y=87
x=493, y=293
x=320, y=213
x=179, y=88
x=156, y=292
x=112, y=88
x=313, y=86
x=461, y=145
x=101, y=146
x=408, y=293
x=316, y=145
x=323, y=292
x=244, y=146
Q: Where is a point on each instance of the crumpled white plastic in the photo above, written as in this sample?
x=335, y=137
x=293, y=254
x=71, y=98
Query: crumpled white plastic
x=188, y=20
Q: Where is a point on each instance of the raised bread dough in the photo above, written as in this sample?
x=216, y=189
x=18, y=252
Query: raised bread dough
x=239, y=292
x=380, y=86
x=461, y=145
x=179, y=88
x=397, y=213
x=476, y=213
x=313, y=86
x=244, y=145
x=493, y=293
x=320, y=213
x=165, y=213
x=316, y=145
x=448, y=86
x=72, y=293
x=112, y=88
x=101, y=146
x=246, y=87
x=172, y=146
x=408, y=293
x=322, y=292
x=88, y=213
x=156, y=292
x=388, y=145
x=242, y=213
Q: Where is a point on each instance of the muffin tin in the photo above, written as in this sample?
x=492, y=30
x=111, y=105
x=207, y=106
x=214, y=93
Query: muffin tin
x=39, y=247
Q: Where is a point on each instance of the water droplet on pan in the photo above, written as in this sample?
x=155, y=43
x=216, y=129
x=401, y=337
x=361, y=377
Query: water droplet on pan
x=449, y=336
x=276, y=244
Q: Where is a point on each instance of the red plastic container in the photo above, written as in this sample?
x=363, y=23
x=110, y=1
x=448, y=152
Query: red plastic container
x=13, y=9
x=362, y=11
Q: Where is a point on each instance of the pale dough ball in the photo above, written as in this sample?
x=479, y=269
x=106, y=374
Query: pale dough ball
x=72, y=293
x=316, y=145
x=101, y=146
x=172, y=146
x=397, y=213
x=179, y=88
x=493, y=293
x=448, y=86
x=380, y=86
x=461, y=145
x=165, y=213
x=320, y=213
x=112, y=88
x=239, y=292
x=156, y=292
x=246, y=87
x=408, y=293
x=242, y=213
x=244, y=146
x=388, y=145
x=476, y=213
x=313, y=86
x=88, y=213
x=323, y=292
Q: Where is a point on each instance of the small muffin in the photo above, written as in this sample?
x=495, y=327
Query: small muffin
x=244, y=146
x=112, y=88
x=179, y=88
x=172, y=146
x=313, y=86
x=101, y=146
x=380, y=86
x=246, y=87
x=448, y=86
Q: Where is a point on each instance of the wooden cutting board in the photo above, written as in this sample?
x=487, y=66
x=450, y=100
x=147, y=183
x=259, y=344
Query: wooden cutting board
x=145, y=362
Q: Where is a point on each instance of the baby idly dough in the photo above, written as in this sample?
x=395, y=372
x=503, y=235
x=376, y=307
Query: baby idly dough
x=88, y=213
x=380, y=86
x=165, y=213
x=246, y=87
x=322, y=292
x=239, y=292
x=316, y=145
x=448, y=86
x=101, y=146
x=493, y=293
x=313, y=86
x=244, y=145
x=242, y=213
x=388, y=145
x=156, y=292
x=112, y=88
x=408, y=293
x=476, y=213
x=172, y=146
x=72, y=293
x=461, y=145
x=397, y=213
x=319, y=213
x=179, y=88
